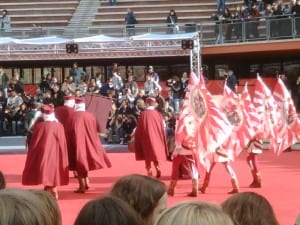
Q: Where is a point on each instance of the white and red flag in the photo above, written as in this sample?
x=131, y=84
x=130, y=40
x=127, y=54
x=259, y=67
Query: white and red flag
x=268, y=114
x=213, y=127
x=250, y=109
x=233, y=108
x=289, y=127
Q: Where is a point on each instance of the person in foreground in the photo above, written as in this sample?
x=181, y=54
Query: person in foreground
x=108, y=210
x=194, y=213
x=147, y=195
x=47, y=158
x=249, y=208
x=22, y=207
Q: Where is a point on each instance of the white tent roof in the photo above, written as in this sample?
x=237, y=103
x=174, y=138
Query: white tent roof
x=42, y=41
x=157, y=37
x=98, y=38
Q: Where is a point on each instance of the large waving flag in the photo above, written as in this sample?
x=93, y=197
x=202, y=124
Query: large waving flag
x=268, y=114
x=289, y=127
x=243, y=131
x=250, y=109
x=213, y=126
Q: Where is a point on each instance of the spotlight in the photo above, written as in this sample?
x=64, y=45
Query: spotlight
x=72, y=48
x=187, y=44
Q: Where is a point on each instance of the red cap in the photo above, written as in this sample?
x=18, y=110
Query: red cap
x=48, y=109
x=79, y=100
x=69, y=97
x=150, y=100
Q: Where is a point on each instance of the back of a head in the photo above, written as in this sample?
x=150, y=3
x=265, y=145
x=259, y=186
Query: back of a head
x=108, y=210
x=194, y=213
x=132, y=188
x=2, y=181
x=248, y=208
x=51, y=205
x=21, y=207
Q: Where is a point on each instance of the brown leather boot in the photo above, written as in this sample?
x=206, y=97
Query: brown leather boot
x=195, y=187
x=235, y=186
x=81, y=188
x=256, y=180
x=205, y=183
x=149, y=172
x=171, y=190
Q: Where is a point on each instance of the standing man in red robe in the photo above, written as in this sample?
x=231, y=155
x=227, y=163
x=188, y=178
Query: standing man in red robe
x=64, y=114
x=47, y=158
x=85, y=145
x=150, y=138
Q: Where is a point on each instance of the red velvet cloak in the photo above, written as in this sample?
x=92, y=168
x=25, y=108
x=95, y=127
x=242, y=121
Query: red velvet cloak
x=64, y=115
x=47, y=157
x=150, y=139
x=86, y=146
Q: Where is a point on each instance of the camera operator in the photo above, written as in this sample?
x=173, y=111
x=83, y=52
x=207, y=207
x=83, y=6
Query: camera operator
x=176, y=86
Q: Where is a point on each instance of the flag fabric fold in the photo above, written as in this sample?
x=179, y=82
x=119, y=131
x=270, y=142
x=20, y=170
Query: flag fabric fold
x=289, y=126
x=268, y=115
x=236, y=113
x=213, y=127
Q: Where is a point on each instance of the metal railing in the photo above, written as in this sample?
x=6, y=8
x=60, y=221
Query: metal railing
x=211, y=33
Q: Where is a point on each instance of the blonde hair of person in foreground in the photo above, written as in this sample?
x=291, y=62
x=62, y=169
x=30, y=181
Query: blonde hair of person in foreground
x=194, y=213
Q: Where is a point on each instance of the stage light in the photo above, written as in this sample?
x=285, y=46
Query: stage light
x=187, y=44
x=71, y=48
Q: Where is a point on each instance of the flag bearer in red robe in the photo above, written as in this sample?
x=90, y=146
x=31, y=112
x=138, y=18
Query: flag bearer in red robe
x=47, y=158
x=186, y=152
x=86, y=148
x=221, y=156
x=64, y=114
x=150, y=137
x=254, y=148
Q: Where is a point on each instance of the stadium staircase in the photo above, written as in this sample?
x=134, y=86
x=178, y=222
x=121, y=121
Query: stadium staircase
x=82, y=18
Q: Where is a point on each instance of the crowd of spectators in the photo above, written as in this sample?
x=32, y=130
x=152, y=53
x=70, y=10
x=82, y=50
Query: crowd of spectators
x=277, y=14
x=128, y=98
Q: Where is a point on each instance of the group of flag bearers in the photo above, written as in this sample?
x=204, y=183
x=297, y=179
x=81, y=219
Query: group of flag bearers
x=208, y=133
x=66, y=138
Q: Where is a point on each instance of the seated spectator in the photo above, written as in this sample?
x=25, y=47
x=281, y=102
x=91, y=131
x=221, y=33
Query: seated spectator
x=57, y=95
x=249, y=208
x=81, y=87
x=107, y=210
x=129, y=125
x=69, y=86
x=23, y=208
x=13, y=104
x=107, y=87
x=128, y=96
x=149, y=204
x=18, y=123
x=131, y=84
x=16, y=83
x=47, y=99
x=124, y=108
x=2, y=181
x=194, y=212
x=93, y=88
x=139, y=107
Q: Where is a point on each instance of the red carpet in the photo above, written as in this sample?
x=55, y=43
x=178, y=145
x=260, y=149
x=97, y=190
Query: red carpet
x=280, y=177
